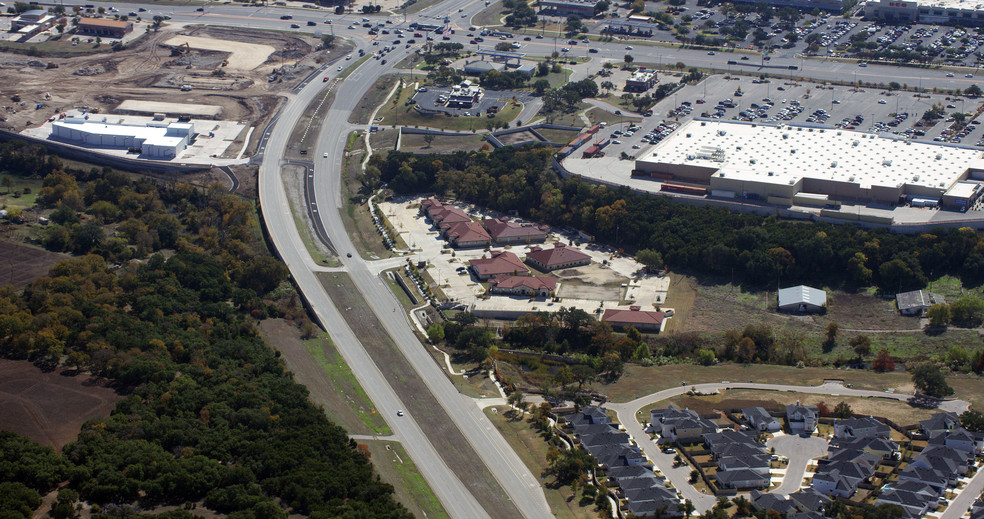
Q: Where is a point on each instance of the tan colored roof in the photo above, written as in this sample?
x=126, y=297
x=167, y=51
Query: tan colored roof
x=466, y=232
x=102, y=22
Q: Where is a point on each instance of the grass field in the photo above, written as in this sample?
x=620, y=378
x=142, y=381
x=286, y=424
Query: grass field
x=356, y=215
x=454, y=448
x=714, y=306
x=15, y=197
x=899, y=412
x=491, y=16
x=396, y=468
x=293, y=176
x=558, y=136
x=399, y=111
x=532, y=449
x=383, y=141
x=374, y=96
x=442, y=144
x=597, y=115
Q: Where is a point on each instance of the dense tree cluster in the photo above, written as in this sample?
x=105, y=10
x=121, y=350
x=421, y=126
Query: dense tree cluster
x=211, y=412
x=759, y=250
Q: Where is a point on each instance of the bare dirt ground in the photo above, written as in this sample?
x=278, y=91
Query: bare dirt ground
x=20, y=264
x=152, y=70
x=50, y=408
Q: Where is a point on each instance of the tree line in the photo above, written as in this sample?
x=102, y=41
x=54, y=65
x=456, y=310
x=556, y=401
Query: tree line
x=211, y=414
x=756, y=250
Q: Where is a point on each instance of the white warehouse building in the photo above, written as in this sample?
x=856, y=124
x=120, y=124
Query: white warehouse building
x=784, y=164
x=155, y=140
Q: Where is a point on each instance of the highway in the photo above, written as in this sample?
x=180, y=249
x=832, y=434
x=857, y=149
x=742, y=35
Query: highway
x=521, y=486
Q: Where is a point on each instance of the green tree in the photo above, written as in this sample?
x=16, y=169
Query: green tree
x=7, y=183
x=843, y=410
x=972, y=420
x=861, y=345
x=939, y=315
x=968, y=311
x=435, y=333
x=567, y=465
x=628, y=59
x=650, y=258
x=929, y=380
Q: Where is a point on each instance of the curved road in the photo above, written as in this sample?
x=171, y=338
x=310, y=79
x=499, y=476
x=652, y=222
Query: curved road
x=679, y=476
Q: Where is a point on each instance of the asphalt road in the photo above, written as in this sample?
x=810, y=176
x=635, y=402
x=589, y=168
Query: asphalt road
x=820, y=68
x=799, y=450
x=679, y=476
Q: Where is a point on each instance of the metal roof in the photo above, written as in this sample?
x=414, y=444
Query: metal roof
x=802, y=294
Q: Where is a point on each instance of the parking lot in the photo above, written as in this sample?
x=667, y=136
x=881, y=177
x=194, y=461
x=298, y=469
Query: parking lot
x=783, y=101
x=427, y=98
x=610, y=279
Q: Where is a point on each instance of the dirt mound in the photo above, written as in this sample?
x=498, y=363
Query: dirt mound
x=90, y=71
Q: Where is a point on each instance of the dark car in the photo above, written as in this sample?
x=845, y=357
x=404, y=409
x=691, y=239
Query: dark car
x=593, y=51
x=295, y=26
x=286, y=17
x=312, y=24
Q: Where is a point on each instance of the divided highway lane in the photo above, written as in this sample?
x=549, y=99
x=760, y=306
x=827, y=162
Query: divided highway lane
x=457, y=500
x=522, y=487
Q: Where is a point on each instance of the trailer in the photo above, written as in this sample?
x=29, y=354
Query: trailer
x=687, y=190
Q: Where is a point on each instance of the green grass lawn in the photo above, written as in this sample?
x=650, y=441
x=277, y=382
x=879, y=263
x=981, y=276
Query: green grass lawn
x=401, y=112
x=395, y=467
x=341, y=377
x=16, y=196
x=532, y=449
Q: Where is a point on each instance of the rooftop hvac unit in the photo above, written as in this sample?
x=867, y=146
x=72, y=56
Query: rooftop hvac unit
x=939, y=156
x=722, y=133
x=833, y=164
x=915, y=178
x=886, y=163
x=751, y=161
x=688, y=135
x=855, y=143
x=785, y=136
x=771, y=174
x=851, y=179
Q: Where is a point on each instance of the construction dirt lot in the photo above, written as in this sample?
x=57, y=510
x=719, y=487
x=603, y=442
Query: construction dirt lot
x=50, y=407
x=245, y=73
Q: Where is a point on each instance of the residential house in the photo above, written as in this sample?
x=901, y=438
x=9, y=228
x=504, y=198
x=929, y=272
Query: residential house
x=939, y=423
x=763, y=501
x=861, y=427
x=644, y=321
x=742, y=479
x=533, y=286
x=676, y=425
x=872, y=445
x=809, y=500
x=465, y=234
x=501, y=263
x=917, y=302
x=915, y=498
x=559, y=257
x=760, y=419
x=802, y=299
x=505, y=232
x=977, y=511
x=588, y=415
x=802, y=419
x=958, y=438
x=842, y=470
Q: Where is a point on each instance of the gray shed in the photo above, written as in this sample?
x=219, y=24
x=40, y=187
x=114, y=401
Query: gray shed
x=802, y=299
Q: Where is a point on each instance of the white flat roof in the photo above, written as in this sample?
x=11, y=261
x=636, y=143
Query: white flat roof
x=973, y=5
x=155, y=135
x=786, y=154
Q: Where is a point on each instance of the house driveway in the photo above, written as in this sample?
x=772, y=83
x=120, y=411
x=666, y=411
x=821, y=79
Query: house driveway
x=799, y=450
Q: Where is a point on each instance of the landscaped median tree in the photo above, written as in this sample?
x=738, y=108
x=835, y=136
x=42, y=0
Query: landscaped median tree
x=929, y=380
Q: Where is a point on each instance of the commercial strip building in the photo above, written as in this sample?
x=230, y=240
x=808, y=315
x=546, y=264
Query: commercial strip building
x=805, y=165
x=566, y=8
x=31, y=22
x=945, y=12
x=104, y=27
x=155, y=140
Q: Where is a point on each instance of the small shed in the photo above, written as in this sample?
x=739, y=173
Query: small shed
x=917, y=302
x=802, y=299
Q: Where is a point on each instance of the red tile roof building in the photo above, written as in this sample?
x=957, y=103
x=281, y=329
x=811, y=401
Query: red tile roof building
x=104, y=27
x=503, y=231
x=501, y=263
x=559, y=257
x=642, y=320
x=523, y=285
x=443, y=214
x=465, y=234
